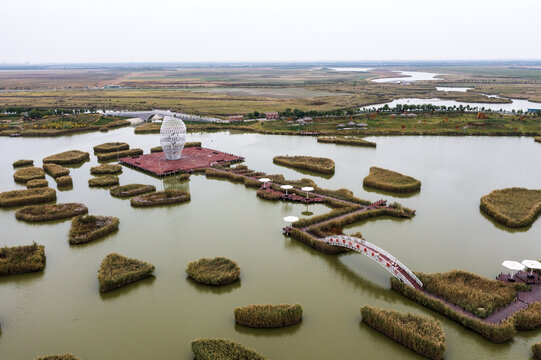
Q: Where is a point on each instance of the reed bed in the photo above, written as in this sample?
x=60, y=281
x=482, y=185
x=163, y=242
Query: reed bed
x=473, y=293
x=391, y=181
x=512, y=207
x=536, y=350
x=119, y=154
x=316, y=243
x=130, y=190
x=537, y=139
x=222, y=349
x=316, y=164
x=67, y=157
x=106, y=169
x=528, y=318
x=27, y=197
x=38, y=213
x=269, y=315
x=64, y=181
x=22, y=259
x=117, y=270
x=23, y=162
x=104, y=129
x=166, y=197
x=66, y=356
x=183, y=177
x=267, y=195
x=105, y=180
x=156, y=149
x=56, y=170
x=418, y=333
x=110, y=147
x=85, y=228
x=37, y=183
x=353, y=141
x=26, y=174
x=497, y=333
x=215, y=272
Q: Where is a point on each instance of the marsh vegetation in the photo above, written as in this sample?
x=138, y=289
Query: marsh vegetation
x=67, y=157
x=221, y=349
x=166, y=197
x=310, y=163
x=117, y=270
x=216, y=271
x=37, y=213
x=87, y=228
x=27, y=197
x=391, y=181
x=512, y=207
x=26, y=174
x=22, y=259
x=269, y=315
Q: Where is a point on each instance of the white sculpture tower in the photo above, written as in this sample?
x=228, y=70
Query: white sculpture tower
x=172, y=137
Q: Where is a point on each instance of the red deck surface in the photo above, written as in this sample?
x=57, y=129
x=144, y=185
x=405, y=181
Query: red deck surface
x=192, y=158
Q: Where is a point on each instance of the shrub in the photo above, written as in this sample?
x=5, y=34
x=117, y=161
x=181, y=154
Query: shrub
x=182, y=177
x=22, y=259
x=528, y=318
x=67, y=157
x=26, y=174
x=104, y=129
x=216, y=271
x=268, y=316
x=267, y=195
x=316, y=164
x=117, y=271
x=221, y=349
x=131, y=190
x=106, y=169
x=419, y=333
x=105, y=180
x=86, y=228
x=23, y=162
x=315, y=243
x=58, y=357
x=392, y=181
x=170, y=196
x=536, y=350
x=56, y=170
x=512, y=207
x=110, y=147
x=119, y=154
x=37, y=213
x=355, y=141
x=498, y=333
x=37, y=183
x=27, y=197
x=156, y=149
x=64, y=181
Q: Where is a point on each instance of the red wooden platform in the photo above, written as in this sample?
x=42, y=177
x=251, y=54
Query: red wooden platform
x=193, y=158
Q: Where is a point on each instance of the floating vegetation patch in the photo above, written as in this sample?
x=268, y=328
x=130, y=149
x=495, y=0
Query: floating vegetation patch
x=354, y=141
x=106, y=169
x=166, y=197
x=130, y=190
x=66, y=356
x=23, y=162
x=536, y=350
x=268, y=316
x=37, y=183
x=86, y=228
x=110, y=147
x=156, y=149
x=26, y=174
x=68, y=157
x=217, y=271
x=27, y=197
x=38, y=213
x=392, y=181
x=56, y=170
x=118, y=270
x=310, y=163
x=419, y=333
x=512, y=207
x=105, y=180
x=221, y=349
x=119, y=154
x=64, y=181
x=22, y=259
x=528, y=318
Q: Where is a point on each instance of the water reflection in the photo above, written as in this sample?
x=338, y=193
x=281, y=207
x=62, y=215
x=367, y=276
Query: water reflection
x=22, y=279
x=264, y=332
x=503, y=227
x=113, y=294
x=389, y=193
x=308, y=172
x=224, y=289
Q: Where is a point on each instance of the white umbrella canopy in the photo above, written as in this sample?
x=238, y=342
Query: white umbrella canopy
x=286, y=187
x=291, y=219
x=264, y=180
x=532, y=264
x=307, y=189
x=513, y=265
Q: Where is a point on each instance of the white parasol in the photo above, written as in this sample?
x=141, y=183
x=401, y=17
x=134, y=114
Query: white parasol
x=532, y=264
x=291, y=219
x=307, y=189
x=513, y=266
x=286, y=187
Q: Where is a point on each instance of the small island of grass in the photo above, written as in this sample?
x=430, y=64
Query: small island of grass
x=23, y=162
x=156, y=149
x=58, y=357
x=166, y=197
x=26, y=174
x=419, y=333
x=105, y=180
x=528, y=318
x=86, y=228
x=27, y=197
x=353, y=141
x=130, y=190
x=391, y=181
x=67, y=157
x=64, y=181
x=222, y=349
x=537, y=139
x=310, y=163
x=37, y=183
x=110, y=147
x=215, y=272
x=268, y=316
x=56, y=170
x=22, y=259
x=536, y=350
x=119, y=154
x=37, y=213
x=512, y=207
x=118, y=270
x=106, y=169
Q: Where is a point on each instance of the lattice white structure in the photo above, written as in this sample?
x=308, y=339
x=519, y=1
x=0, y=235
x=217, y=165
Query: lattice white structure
x=172, y=137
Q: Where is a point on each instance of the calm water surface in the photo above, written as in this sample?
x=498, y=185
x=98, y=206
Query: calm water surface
x=61, y=309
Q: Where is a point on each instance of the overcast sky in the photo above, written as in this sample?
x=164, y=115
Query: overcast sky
x=42, y=31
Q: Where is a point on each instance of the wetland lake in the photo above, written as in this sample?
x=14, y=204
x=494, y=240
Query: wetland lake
x=61, y=309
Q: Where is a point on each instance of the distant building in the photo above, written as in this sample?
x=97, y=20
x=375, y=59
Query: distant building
x=235, y=118
x=272, y=116
x=534, y=111
x=112, y=87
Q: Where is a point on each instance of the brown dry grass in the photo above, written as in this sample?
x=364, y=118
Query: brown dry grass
x=512, y=207
x=392, y=181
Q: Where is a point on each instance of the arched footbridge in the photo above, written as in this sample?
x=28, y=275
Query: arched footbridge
x=382, y=257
